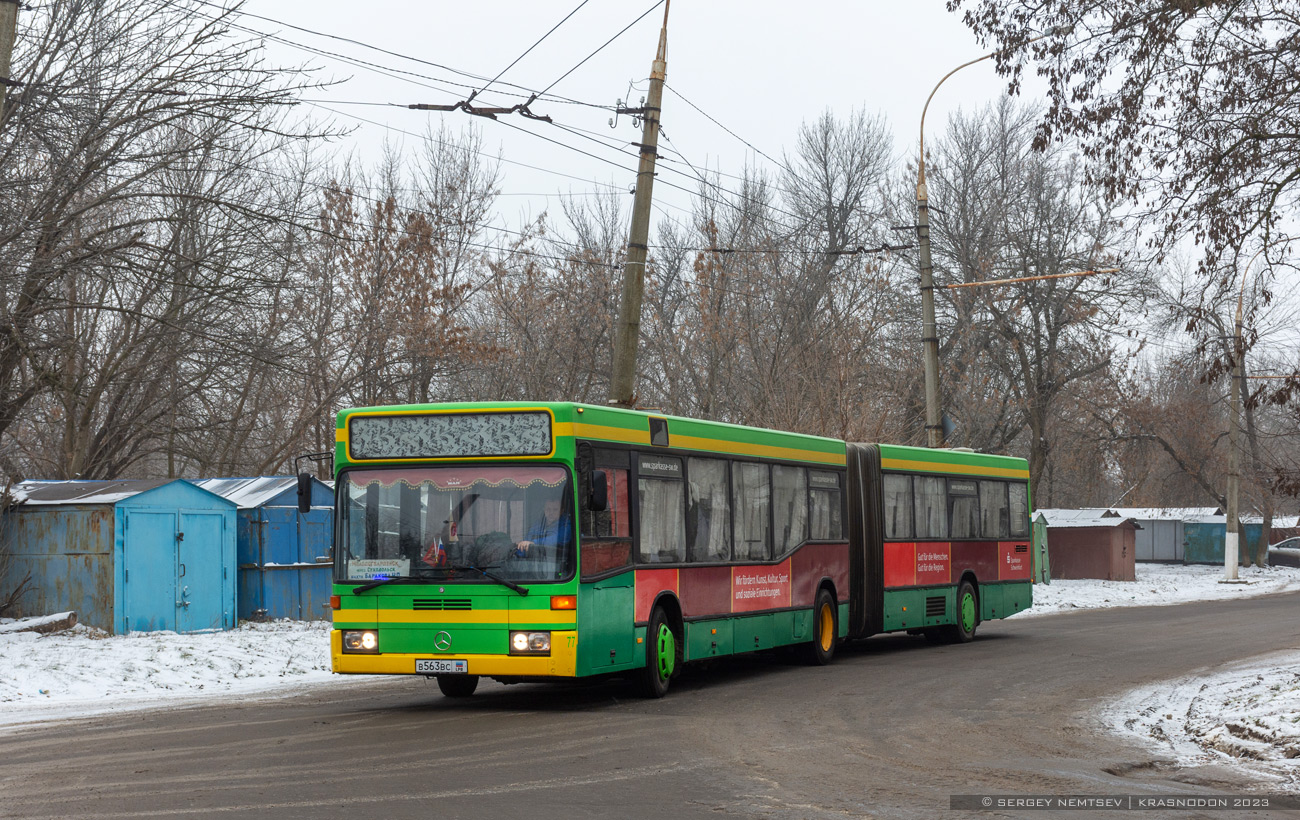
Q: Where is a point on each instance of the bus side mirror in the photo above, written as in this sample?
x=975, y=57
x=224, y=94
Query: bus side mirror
x=304, y=492
x=598, y=501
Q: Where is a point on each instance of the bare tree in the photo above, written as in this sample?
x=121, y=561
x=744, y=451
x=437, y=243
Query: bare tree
x=125, y=190
x=1188, y=109
x=1013, y=353
x=762, y=309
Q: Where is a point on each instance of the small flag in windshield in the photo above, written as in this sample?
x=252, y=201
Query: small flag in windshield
x=435, y=555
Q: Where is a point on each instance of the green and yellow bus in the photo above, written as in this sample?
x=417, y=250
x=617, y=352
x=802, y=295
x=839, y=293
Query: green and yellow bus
x=536, y=541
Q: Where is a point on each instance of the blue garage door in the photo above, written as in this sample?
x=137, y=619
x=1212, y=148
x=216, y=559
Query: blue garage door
x=149, y=571
x=201, y=572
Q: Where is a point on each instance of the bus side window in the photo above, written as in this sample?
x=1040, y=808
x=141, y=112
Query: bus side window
x=898, y=507
x=824, y=516
x=931, y=495
x=963, y=508
x=613, y=521
x=752, y=501
x=993, y=509
x=790, y=507
x=708, y=510
x=1019, y=512
x=606, y=542
x=661, y=509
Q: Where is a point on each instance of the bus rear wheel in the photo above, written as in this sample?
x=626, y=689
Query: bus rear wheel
x=458, y=686
x=967, y=615
x=825, y=628
x=661, y=656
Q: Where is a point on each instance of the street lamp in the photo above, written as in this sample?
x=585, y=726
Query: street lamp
x=929, y=332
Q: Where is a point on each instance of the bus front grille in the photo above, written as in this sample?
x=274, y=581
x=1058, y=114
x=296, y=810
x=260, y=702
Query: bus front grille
x=442, y=604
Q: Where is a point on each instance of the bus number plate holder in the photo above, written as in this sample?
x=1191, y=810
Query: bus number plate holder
x=440, y=666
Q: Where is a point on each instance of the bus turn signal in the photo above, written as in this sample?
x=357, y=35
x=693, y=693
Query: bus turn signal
x=564, y=602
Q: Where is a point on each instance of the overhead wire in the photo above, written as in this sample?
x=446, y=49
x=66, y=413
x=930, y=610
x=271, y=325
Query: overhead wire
x=601, y=47
x=578, y=132
x=479, y=153
x=528, y=50
x=394, y=73
x=239, y=11
x=713, y=120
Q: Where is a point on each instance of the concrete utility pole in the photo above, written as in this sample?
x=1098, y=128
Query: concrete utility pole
x=622, y=382
x=929, y=329
x=1231, y=548
x=1232, y=538
x=8, y=25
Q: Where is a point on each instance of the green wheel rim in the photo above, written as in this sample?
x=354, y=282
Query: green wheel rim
x=667, y=651
x=968, y=612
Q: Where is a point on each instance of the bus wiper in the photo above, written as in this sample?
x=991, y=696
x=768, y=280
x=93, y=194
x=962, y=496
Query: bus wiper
x=378, y=582
x=502, y=581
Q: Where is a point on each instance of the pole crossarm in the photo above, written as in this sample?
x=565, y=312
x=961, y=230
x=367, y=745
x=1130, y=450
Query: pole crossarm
x=990, y=282
x=480, y=111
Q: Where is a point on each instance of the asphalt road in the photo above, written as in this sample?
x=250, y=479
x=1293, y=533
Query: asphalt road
x=891, y=729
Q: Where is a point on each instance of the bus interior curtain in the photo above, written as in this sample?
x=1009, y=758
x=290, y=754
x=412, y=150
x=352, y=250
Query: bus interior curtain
x=866, y=541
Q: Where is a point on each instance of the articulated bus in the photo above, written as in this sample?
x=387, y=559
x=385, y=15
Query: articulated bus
x=541, y=541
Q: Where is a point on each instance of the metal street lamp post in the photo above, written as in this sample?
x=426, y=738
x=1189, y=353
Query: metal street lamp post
x=929, y=331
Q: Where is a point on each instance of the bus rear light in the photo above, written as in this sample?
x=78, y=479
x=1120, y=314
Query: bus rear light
x=335, y=603
x=564, y=602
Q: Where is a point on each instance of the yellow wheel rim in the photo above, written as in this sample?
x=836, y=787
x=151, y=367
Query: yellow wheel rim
x=827, y=630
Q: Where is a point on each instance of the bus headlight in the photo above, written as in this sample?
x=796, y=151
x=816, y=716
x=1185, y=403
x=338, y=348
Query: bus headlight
x=361, y=641
x=530, y=643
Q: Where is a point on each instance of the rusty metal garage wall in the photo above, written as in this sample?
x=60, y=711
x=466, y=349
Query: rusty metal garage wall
x=68, y=551
x=1092, y=552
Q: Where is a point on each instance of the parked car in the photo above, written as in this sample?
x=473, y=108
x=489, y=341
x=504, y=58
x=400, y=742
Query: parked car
x=1285, y=553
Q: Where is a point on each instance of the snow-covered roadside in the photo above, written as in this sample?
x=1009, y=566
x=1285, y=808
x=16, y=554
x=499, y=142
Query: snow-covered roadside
x=1246, y=713
x=82, y=671
x=1160, y=585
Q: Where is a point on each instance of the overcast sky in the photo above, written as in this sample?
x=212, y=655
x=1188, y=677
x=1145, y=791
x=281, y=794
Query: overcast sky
x=760, y=68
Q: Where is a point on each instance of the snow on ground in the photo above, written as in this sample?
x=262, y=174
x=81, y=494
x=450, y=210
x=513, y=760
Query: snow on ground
x=83, y=671
x=1246, y=713
x=1160, y=585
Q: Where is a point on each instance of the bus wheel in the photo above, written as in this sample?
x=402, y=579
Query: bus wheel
x=825, y=628
x=458, y=686
x=967, y=614
x=660, y=656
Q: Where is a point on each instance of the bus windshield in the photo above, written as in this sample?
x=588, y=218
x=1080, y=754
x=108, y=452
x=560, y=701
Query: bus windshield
x=437, y=523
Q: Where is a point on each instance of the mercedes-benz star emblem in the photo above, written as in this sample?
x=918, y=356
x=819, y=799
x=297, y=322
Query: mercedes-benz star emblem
x=442, y=641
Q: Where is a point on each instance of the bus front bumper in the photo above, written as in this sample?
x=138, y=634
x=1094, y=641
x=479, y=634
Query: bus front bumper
x=561, y=663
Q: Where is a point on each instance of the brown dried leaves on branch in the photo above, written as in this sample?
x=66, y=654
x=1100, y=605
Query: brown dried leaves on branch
x=1189, y=109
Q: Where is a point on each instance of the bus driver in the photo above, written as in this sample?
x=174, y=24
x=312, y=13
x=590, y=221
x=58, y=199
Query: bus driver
x=549, y=531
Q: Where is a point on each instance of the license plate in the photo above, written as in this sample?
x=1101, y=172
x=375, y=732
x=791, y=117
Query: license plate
x=440, y=666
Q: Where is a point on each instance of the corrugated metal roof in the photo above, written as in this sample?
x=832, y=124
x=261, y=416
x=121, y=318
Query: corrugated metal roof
x=247, y=493
x=1165, y=513
x=85, y=492
x=1059, y=519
